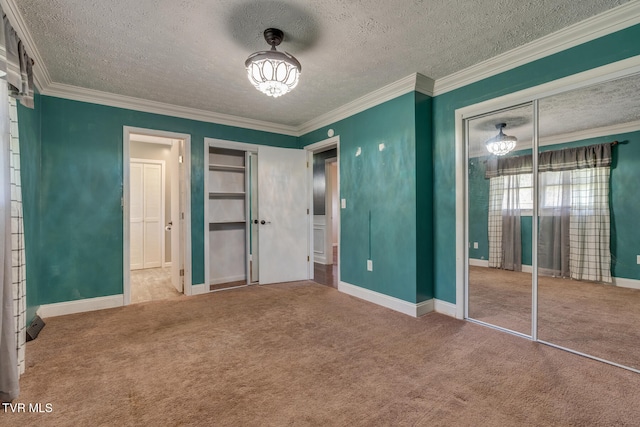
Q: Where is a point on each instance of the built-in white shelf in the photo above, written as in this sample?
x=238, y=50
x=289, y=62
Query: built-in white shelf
x=226, y=168
x=226, y=216
x=225, y=194
x=240, y=221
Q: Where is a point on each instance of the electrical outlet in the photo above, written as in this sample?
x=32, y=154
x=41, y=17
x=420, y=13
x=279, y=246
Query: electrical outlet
x=343, y=203
x=475, y=245
x=369, y=265
x=638, y=259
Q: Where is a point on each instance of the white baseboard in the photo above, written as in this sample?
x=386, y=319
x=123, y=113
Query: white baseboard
x=485, y=263
x=199, y=289
x=228, y=279
x=479, y=262
x=444, y=307
x=80, y=306
x=405, y=307
x=321, y=259
x=424, y=307
x=626, y=283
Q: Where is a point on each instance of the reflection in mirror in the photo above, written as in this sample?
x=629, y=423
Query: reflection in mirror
x=499, y=219
x=589, y=238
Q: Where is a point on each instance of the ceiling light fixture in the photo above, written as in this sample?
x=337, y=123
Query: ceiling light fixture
x=501, y=144
x=271, y=72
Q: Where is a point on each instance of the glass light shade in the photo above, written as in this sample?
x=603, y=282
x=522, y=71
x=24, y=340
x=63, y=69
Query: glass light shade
x=501, y=144
x=273, y=73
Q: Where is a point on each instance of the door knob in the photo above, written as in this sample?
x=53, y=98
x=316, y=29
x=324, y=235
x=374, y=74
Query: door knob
x=255, y=221
x=263, y=222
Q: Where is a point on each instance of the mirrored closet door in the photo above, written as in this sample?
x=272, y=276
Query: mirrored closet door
x=554, y=239
x=499, y=218
x=589, y=235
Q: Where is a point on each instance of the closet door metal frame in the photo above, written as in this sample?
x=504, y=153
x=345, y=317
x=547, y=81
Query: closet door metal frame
x=531, y=95
x=534, y=253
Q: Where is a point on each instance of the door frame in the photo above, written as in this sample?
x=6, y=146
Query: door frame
x=324, y=145
x=328, y=208
x=162, y=163
x=184, y=182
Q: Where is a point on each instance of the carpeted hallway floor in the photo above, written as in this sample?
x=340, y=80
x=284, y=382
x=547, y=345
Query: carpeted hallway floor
x=305, y=354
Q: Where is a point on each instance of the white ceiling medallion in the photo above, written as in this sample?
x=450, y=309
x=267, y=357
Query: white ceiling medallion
x=271, y=72
x=501, y=144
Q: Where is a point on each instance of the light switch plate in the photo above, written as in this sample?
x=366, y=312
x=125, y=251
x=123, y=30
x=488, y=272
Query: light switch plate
x=475, y=245
x=343, y=203
x=369, y=265
x=638, y=259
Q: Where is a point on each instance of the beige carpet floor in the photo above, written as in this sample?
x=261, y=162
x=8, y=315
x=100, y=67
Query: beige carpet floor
x=593, y=318
x=303, y=354
x=152, y=284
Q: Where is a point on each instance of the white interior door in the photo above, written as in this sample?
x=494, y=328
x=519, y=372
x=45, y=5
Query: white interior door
x=153, y=207
x=175, y=220
x=136, y=217
x=282, y=196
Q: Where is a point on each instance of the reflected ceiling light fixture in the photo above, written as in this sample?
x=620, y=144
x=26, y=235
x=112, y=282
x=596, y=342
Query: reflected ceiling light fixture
x=501, y=144
x=270, y=71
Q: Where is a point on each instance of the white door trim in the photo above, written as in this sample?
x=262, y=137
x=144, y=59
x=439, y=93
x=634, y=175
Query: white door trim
x=163, y=189
x=126, y=202
x=311, y=149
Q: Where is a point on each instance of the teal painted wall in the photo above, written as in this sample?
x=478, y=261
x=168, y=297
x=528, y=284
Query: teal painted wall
x=383, y=184
x=30, y=159
x=80, y=191
x=625, y=235
x=614, y=47
x=424, y=197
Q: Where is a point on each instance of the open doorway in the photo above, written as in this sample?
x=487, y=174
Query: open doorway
x=326, y=211
x=155, y=212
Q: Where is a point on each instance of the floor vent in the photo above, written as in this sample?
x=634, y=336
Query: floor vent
x=34, y=329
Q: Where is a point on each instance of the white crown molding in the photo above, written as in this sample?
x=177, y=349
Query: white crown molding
x=424, y=84
x=40, y=73
x=76, y=93
x=413, y=82
x=608, y=22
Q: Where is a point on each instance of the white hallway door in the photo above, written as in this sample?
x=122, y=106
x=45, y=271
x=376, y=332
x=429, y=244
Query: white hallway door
x=282, y=199
x=147, y=204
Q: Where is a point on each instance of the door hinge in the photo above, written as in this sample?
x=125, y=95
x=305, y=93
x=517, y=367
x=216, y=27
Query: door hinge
x=308, y=259
x=307, y=165
x=180, y=159
x=307, y=211
x=182, y=272
x=182, y=215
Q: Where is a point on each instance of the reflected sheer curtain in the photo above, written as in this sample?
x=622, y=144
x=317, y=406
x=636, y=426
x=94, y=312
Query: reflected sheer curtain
x=511, y=225
x=574, y=218
x=553, y=235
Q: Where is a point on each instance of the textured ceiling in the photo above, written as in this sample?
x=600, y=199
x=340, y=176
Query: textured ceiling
x=191, y=53
x=612, y=103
